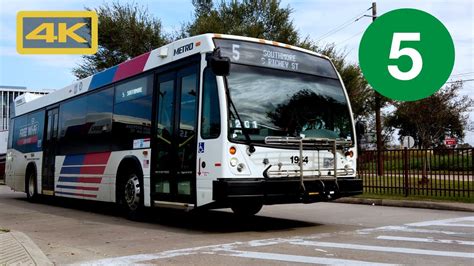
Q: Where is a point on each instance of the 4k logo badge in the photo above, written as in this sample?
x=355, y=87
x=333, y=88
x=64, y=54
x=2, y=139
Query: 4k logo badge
x=57, y=32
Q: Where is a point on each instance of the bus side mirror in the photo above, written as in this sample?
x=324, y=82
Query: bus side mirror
x=219, y=65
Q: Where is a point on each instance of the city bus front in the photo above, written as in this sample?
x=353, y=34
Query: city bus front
x=289, y=127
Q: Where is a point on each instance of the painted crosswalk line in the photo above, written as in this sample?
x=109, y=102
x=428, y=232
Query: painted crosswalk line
x=421, y=232
x=300, y=259
x=427, y=240
x=454, y=222
x=386, y=249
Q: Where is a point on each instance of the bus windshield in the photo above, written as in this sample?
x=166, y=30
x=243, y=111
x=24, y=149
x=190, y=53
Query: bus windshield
x=273, y=102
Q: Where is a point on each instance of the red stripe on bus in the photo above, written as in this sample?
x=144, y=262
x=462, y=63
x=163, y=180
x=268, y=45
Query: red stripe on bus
x=96, y=158
x=93, y=180
x=92, y=170
x=131, y=67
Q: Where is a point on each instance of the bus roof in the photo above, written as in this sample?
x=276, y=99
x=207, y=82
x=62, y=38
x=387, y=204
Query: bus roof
x=160, y=56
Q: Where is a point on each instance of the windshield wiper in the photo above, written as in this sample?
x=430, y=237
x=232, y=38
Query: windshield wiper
x=248, y=140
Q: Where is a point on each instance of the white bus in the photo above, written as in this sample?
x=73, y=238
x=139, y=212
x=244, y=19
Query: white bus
x=211, y=121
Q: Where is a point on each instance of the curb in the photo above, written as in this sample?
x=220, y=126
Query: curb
x=19, y=249
x=447, y=206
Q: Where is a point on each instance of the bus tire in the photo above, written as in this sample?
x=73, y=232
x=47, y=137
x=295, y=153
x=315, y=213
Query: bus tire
x=246, y=208
x=132, y=195
x=30, y=186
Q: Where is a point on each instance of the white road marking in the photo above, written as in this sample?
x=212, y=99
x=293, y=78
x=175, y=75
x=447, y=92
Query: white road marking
x=427, y=240
x=299, y=259
x=229, y=249
x=132, y=259
x=321, y=250
x=406, y=229
x=447, y=222
x=386, y=249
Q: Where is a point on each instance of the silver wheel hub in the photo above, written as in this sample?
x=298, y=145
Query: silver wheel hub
x=31, y=186
x=132, y=192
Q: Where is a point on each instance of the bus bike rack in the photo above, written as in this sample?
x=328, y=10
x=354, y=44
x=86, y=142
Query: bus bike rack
x=319, y=144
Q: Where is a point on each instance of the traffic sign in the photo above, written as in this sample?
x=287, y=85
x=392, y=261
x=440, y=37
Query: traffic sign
x=450, y=141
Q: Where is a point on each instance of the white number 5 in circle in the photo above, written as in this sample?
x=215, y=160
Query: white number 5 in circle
x=396, y=52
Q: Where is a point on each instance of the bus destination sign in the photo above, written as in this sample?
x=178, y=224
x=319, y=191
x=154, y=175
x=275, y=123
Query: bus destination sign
x=265, y=55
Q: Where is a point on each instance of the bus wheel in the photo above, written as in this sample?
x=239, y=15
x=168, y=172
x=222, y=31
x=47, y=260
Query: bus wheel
x=246, y=208
x=31, y=190
x=133, y=195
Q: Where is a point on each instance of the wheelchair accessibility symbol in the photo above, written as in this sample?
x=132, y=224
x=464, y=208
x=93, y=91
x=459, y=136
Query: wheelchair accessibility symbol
x=201, y=147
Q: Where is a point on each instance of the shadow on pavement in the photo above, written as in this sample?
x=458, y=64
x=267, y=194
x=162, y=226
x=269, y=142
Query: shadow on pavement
x=215, y=221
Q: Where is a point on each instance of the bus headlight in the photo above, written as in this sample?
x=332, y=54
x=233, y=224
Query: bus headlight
x=349, y=154
x=234, y=162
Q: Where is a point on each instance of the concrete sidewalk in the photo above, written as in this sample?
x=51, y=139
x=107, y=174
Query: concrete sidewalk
x=17, y=248
x=449, y=206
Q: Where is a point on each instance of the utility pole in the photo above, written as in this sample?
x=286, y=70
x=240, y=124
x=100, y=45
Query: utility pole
x=378, y=120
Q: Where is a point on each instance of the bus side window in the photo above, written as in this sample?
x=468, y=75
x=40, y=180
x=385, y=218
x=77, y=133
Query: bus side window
x=55, y=125
x=211, y=117
x=72, y=123
x=50, y=127
x=19, y=133
x=10, y=133
x=132, y=112
x=99, y=120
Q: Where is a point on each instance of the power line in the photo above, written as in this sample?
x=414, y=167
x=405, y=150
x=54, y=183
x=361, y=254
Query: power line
x=461, y=80
x=339, y=28
x=463, y=74
x=350, y=38
x=343, y=25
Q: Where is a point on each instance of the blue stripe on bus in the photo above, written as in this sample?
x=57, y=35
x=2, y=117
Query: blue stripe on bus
x=68, y=179
x=74, y=159
x=76, y=194
x=71, y=170
x=78, y=187
x=103, y=78
x=68, y=187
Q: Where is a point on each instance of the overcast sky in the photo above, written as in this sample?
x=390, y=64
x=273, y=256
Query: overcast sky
x=323, y=20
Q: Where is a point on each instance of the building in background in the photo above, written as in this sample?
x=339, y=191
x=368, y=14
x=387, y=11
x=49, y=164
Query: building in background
x=7, y=98
x=8, y=95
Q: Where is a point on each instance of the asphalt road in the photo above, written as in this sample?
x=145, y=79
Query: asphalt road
x=323, y=233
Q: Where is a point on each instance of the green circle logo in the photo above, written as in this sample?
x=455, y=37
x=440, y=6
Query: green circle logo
x=406, y=54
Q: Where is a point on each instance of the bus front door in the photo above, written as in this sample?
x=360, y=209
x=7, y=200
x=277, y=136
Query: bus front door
x=174, y=151
x=50, y=146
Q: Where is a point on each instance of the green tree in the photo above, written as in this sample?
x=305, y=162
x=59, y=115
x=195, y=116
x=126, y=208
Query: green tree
x=125, y=31
x=254, y=18
x=431, y=119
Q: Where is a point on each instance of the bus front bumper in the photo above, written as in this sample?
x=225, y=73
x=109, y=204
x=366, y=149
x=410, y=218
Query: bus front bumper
x=280, y=190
